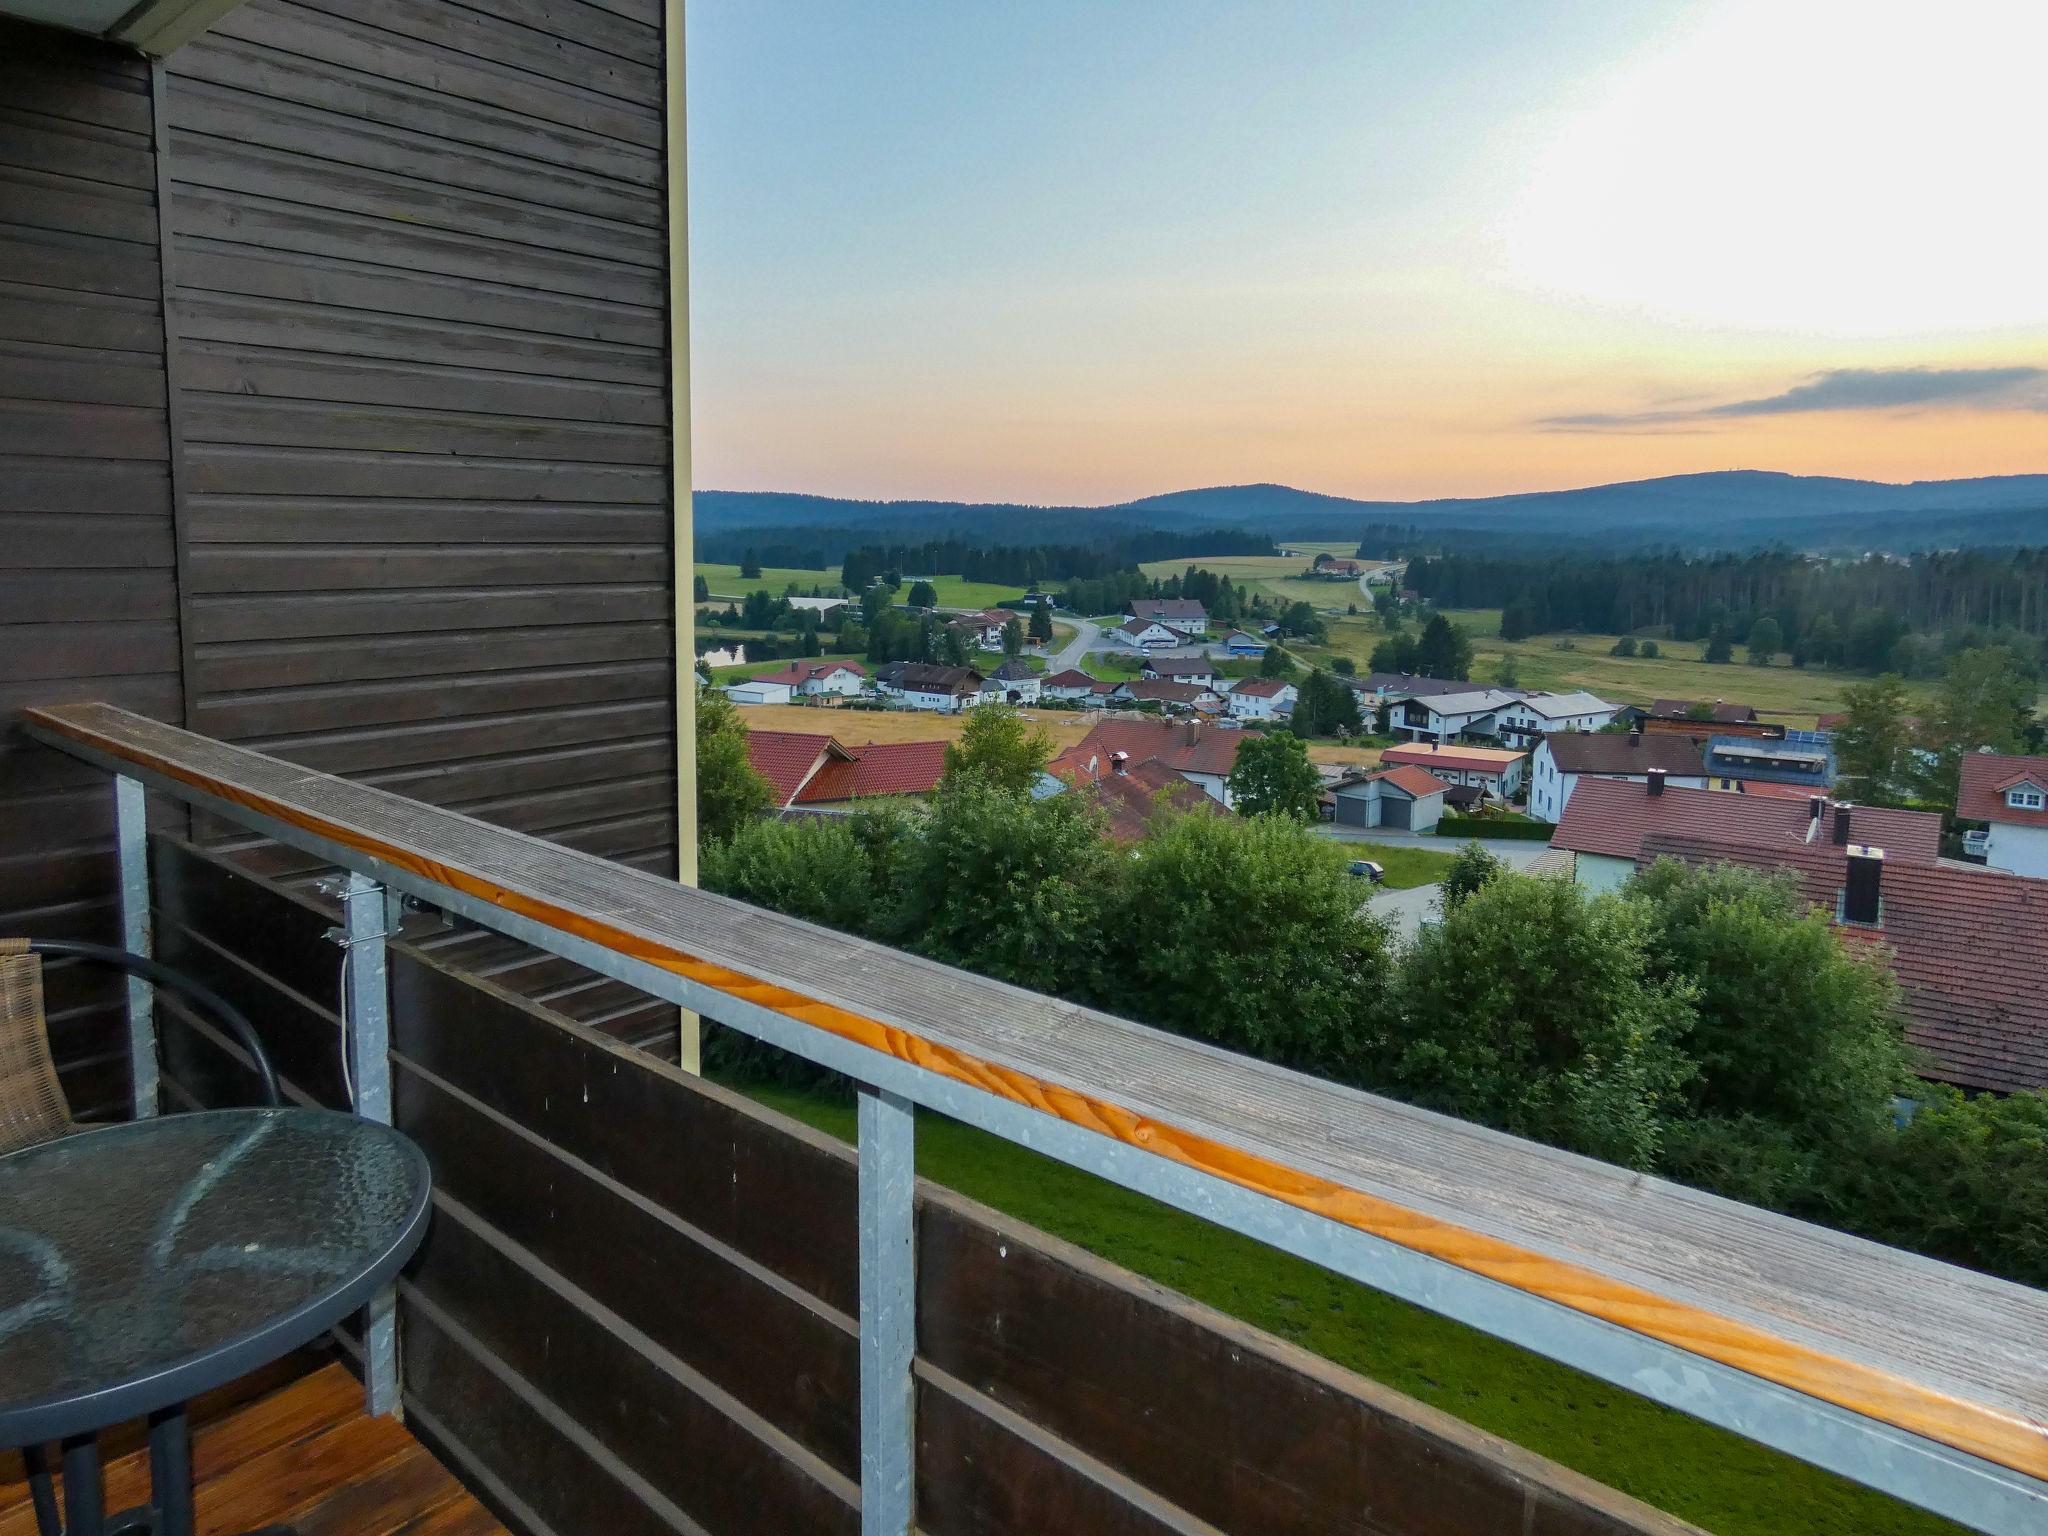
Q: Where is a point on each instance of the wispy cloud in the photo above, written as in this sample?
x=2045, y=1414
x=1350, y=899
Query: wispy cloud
x=1841, y=389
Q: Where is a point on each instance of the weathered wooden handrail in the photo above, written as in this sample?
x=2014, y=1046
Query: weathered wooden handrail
x=1927, y=1381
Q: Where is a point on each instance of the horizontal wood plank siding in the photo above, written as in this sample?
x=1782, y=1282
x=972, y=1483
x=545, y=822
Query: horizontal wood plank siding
x=419, y=302
x=636, y=1309
x=88, y=585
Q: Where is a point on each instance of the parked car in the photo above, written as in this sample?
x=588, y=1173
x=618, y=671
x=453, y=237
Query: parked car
x=1365, y=869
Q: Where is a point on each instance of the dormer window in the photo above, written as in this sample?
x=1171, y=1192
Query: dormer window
x=2025, y=798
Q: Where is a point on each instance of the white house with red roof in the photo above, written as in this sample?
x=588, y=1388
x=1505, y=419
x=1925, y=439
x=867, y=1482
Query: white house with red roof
x=2009, y=794
x=1074, y=685
x=828, y=677
x=1261, y=698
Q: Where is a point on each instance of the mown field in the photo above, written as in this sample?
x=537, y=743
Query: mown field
x=858, y=727
x=954, y=591
x=1790, y=696
x=1702, y=1474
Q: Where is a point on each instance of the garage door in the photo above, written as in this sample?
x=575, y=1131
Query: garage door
x=1394, y=811
x=1353, y=811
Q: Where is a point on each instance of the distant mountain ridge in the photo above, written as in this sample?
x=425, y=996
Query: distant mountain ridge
x=1719, y=509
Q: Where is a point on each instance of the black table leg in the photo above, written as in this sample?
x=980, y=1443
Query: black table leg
x=40, y=1493
x=84, y=1511
x=170, y=1472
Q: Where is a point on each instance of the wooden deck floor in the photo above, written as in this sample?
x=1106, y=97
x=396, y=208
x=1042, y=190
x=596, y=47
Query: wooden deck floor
x=305, y=1455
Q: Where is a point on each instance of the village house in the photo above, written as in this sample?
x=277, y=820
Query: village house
x=1180, y=669
x=1607, y=820
x=1534, y=715
x=1967, y=946
x=1561, y=760
x=1402, y=797
x=1183, y=615
x=1146, y=635
x=1377, y=688
x=1238, y=643
x=1170, y=696
x=1074, y=686
x=926, y=685
x=815, y=678
x=1492, y=771
x=2010, y=795
x=1445, y=717
x=1194, y=749
x=1802, y=758
x=1338, y=568
x=1012, y=683
x=806, y=770
x=985, y=628
x=1261, y=698
x=1129, y=794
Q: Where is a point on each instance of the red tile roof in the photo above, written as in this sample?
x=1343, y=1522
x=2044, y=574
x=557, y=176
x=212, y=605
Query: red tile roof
x=1130, y=799
x=1986, y=778
x=1186, y=746
x=1772, y=791
x=1473, y=759
x=1073, y=677
x=787, y=759
x=1613, y=752
x=1969, y=948
x=885, y=768
x=1613, y=816
x=1411, y=779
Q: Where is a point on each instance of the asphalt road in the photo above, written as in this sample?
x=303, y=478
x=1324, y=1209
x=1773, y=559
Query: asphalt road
x=1086, y=635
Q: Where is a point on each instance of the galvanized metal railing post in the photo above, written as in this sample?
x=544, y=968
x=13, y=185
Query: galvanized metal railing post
x=888, y=1311
x=131, y=838
x=366, y=1000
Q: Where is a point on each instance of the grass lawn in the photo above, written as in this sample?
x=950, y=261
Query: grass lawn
x=1790, y=697
x=725, y=581
x=954, y=591
x=1705, y=1475
x=1406, y=867
x=1112, y=666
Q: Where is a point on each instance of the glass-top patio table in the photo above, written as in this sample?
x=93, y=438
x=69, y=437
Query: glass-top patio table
x=142, y=1264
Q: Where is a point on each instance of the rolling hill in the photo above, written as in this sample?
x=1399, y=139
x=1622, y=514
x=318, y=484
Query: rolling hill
x=1728, y=509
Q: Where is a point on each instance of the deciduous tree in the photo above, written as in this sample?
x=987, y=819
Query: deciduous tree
x=730, y=791
x=1273, y=777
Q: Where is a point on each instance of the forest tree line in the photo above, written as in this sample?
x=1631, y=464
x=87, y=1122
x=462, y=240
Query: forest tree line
x=1872, y=615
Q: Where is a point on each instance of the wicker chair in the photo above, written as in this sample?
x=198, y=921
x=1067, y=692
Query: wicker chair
x=32, y=1104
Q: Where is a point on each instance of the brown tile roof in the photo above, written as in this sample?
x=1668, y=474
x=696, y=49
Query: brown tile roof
x=1260, y=687
x=1986, y=778
x=1181, y=608
x=1186, y=746
x=1969, y=948
x=1616, y=753
x=1680, y=709
x=1164, y=691
x=1613, y=816
x=1411, y=779
x=787, y=759
x=1073, y=677
x=928, y=677
x=885, y=768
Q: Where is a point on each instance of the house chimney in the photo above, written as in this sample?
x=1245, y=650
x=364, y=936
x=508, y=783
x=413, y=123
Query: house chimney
x=1119, y=763
x=1656, y=785
x=1635, y=738
x=1841, y=823
x=1816, y=805
x=1863, y=889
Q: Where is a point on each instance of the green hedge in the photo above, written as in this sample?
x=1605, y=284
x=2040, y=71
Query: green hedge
x=1487, y=827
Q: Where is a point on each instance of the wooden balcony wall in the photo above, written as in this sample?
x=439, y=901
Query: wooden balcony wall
x=371, y=469
x=635, y=1312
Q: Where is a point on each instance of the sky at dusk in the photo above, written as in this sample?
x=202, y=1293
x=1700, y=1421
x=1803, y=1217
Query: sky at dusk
x=1074, y=252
